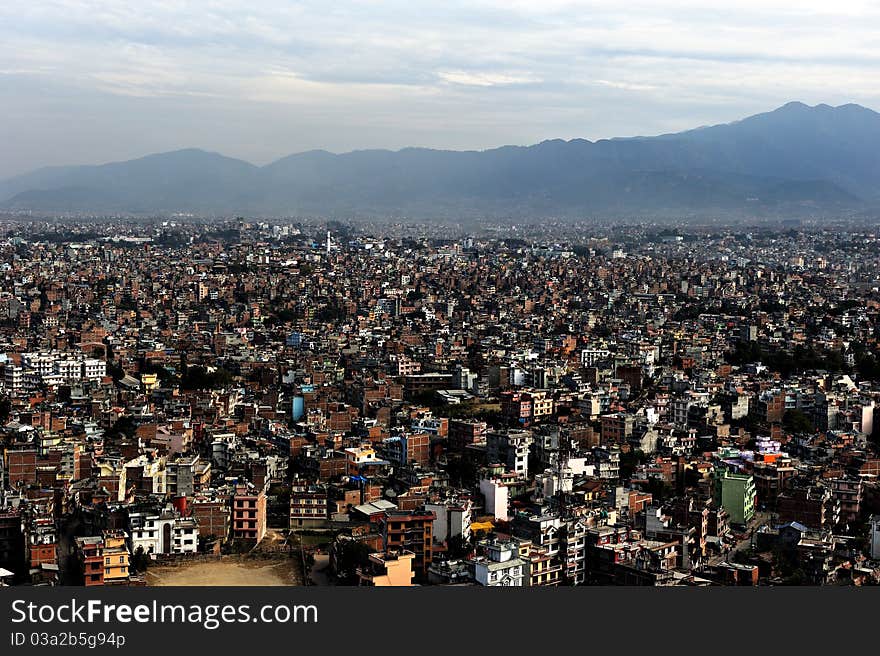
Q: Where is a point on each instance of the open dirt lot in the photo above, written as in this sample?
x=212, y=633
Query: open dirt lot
x=227, y=573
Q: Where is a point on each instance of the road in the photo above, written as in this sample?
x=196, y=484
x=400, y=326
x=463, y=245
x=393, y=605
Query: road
x=745, y=543
x=320, y=569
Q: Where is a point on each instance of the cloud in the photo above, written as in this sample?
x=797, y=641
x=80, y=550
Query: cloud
x=626, y=86
x=485, y=79
x=362, y=73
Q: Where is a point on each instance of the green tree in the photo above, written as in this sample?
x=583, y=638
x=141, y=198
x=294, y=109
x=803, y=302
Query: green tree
x=140, y=561
x=457, y=547
x=350, y=555
x=795, y=421
x=629, y=461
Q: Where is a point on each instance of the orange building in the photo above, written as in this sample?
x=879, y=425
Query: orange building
x=392, y=569
x=248, y=513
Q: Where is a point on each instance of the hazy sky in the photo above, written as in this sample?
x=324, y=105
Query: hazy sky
x=89, y=81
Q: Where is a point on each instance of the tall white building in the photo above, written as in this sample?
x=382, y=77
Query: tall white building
x=496, y=498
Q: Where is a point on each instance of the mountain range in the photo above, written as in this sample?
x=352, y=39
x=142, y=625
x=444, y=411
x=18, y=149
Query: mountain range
x=796, y=159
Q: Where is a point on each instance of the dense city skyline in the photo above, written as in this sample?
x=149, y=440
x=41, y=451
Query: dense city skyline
x=339, y=404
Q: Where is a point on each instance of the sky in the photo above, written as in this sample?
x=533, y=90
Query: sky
x=92, y=81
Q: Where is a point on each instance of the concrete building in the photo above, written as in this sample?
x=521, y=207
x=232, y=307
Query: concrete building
x=453, y=518
x=164, y=533
x=501, y=566
x=617, y=428
x=465, y=432
x=509, y=448
x=409, y=531
x=737, y=494
x=104, y=560
x=392, y=569
x=183, y=476
x=212, y=515
x=496, y=496
x=848, y=493
x=248, y=513
x=875, y=537
x=309, y=505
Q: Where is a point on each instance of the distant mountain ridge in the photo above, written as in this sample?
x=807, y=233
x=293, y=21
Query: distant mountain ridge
x=796, y=158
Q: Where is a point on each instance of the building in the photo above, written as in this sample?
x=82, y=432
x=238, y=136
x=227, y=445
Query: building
x=541, y=570
x=391, y=569
x=116, y=557
x=211, y=515
x=771, y=478
x=164, y=533
x=737, y=496
x=453, y=518
x=105, y=559
x=607, y=462
x=875, y=537
x=248, y=513
x=89, y=551
x=186, y=475
x=848, y=493
x=408, y=448
x=617, y=428
x=309, y=505
x=542, y=405
x=496, y=497
x=509, y=448
x=410, y=531
x=501, y=566
x=465, y=432
x=564, y=540
x=42, y=542
x=813, y=506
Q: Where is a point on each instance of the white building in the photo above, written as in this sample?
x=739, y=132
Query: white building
x=496, y=498
x=165, y=533
x=94, y=369
x=453, y=518
x=501, y=566
x=14, y=377
x=52, y=368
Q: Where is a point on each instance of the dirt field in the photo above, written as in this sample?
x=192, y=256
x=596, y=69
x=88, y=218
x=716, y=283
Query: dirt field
x=227, y=573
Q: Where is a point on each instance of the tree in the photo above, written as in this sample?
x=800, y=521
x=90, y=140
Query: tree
x=140, y=560
x=629, y=461
x=197, y=378
x=125, y=425
x=350, y=555
x=457, y=547
x=795, y=421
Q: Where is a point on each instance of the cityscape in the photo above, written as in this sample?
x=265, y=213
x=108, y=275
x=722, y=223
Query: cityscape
x=255, y=401
x=301, y=299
